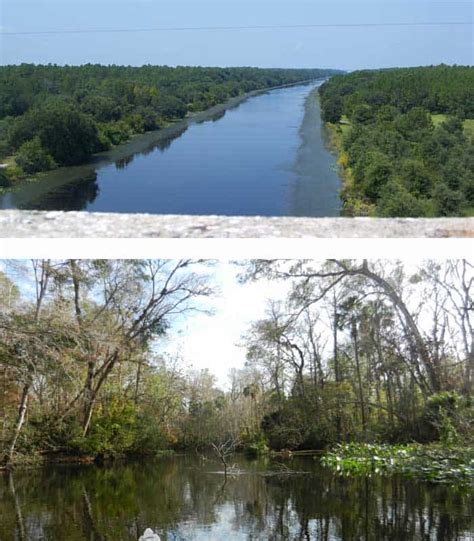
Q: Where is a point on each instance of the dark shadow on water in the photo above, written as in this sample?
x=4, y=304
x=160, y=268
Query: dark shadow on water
x=122, y=163
x=143, y=144
x=217, y=116
x=161, y=144
x=70, y=197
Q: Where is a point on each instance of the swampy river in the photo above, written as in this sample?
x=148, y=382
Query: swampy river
x=187, y=498
x=266, y=156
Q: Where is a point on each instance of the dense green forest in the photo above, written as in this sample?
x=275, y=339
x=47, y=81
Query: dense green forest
x=59, y=115
x=406, y=139
x=358, y=353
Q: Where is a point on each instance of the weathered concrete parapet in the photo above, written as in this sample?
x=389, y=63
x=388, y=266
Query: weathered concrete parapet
x=14, y=223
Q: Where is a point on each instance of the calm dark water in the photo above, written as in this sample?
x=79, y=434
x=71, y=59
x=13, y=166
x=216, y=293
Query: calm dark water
x=266, y=156
x=186, y=498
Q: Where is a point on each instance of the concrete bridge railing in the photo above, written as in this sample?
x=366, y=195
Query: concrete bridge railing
x=17, y=224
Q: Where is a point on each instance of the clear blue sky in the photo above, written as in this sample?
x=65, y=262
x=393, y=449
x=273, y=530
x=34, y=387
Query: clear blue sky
x=348, y=48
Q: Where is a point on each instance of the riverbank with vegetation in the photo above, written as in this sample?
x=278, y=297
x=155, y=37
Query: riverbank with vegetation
x=54, y=116
x=404, y=139
x=81, y=380
x=434, y=463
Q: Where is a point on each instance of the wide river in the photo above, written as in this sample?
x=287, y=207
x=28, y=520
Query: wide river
x=267, y=156
x=187, y=498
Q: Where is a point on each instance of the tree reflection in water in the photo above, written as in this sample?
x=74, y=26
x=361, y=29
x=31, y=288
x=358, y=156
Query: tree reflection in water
x=161, y=145
x=184, y=498
x=73, y=196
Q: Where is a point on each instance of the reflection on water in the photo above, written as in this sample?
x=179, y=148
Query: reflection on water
x=265, y=156
x=216, y=116
x=161, y=145
x=187, y=498
x=73, y=196
x=123, y=162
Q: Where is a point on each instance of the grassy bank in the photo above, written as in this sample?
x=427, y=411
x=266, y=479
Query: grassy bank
x=435, y=462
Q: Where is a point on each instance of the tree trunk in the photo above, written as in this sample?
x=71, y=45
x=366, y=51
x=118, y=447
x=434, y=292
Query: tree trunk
x=137, y=381
x=19, y=422
x=359, y=378
x=107, y=368
x=388, y=385
x=413, y=332
x=18, y=513
x=88, y=417
x=42, y=274
x=88, y=395
x=468, y=386
x=3, y=412
x=337, y=374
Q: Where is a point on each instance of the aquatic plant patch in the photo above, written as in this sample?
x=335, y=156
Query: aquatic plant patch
x=427, y=462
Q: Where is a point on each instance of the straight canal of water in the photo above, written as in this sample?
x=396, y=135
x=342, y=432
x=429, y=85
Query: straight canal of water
x=267, y=156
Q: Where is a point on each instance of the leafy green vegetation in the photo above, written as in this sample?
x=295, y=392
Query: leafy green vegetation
x=60, y=115
x=32, y=157
x=82, y=379
x=254, y=444
x=405, y=139
x=428, y=462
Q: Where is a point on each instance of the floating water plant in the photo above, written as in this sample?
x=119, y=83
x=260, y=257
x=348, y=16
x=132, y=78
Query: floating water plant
x=428, y=462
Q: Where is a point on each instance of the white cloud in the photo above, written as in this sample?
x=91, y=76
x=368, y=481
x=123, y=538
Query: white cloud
x=212, y=341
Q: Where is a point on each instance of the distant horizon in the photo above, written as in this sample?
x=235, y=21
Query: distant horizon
x=345, y=70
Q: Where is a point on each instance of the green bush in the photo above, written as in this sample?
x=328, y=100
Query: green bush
x=448, y=202
x=67, y=134
x=9, y=175
x=376, y=175
x=362, y=114
x=332, y=109
x=116, y=132
x=396, y=200
x=441, y=414
x=5, y=181
x=112, y=432
x=135, y=122
x=254, y=444
x=32, y=157
x=149, y=438
x=150, y=120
